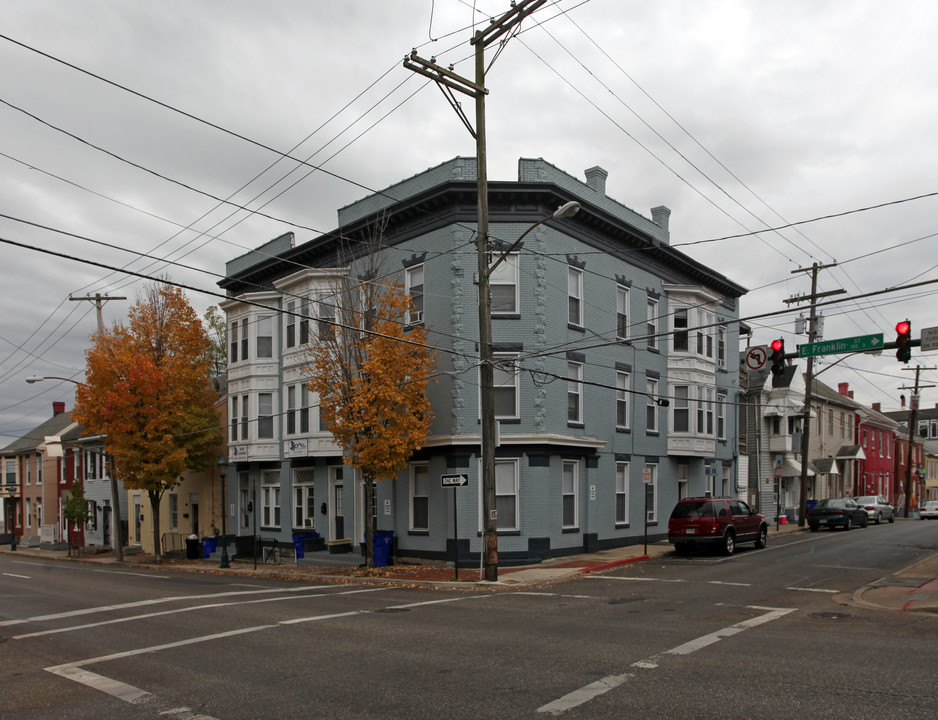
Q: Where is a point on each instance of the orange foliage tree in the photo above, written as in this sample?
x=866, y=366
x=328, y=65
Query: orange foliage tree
x=371, y=379
x=148, y=391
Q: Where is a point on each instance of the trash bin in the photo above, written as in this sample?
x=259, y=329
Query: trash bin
x=382, y=548
x=299, y=545
x=192, y=547
x=208, y=546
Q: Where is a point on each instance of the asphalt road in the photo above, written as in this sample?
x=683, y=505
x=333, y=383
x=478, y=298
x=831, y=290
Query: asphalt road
x=764, y=633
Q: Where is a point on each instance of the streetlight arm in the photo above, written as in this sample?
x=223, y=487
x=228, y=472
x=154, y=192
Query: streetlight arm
x=39, y=378
x=566, y=210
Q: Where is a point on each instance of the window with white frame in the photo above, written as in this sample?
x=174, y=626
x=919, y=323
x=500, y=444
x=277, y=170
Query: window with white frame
x=326, y=313
x=721, y=416
x=91, y=512
x=651, y=323
x=265, y=415
x=503, y=286
x=304, y=498
x=623, y=388
x=651, y=492
x=291, y=416
x=304, y=408
x=574, y=392
x=721, y=346
x=682, y=475
x=622, y=312
x=234, y=417
x=39, y=469
x=507, y=501
x=569, y=482
x=704, y=410
x=245, y=423
x=651, y=409
x=575, y=296
x=9, y=472
x=38, y=512
x=245, y=341
x=265, y=336
x=304, y=321
x=420, y=497
x=270, y=498
x=413, y=281
x=290, y=320
x=234, y=342
x=29, y=479
x=173, y=511
x=622, y=493
x=681, y=408
x=680, y=337
x=704, y=333
x=506, y=385
x=29, y=516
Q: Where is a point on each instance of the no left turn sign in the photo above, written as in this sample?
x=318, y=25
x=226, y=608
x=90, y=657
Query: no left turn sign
x=756, y=357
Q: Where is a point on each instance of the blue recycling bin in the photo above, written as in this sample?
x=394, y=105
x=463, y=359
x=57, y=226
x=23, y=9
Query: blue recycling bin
x=382, y=548
x=208, y=546
x=299, y=545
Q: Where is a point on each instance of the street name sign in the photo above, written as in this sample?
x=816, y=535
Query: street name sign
x=842, y=346
x=929, y=339
x=454, y=480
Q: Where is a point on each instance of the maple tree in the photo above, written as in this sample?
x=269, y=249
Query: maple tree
x=372, y=385
x=148, y=391
x=75, y=511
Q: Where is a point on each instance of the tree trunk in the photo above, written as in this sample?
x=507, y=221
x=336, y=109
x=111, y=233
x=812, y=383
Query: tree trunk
x=155, y=513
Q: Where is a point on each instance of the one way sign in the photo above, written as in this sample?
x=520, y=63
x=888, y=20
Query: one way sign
x=455, y=480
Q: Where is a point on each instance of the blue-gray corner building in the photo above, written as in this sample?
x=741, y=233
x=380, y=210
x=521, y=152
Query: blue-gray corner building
x=616, y=377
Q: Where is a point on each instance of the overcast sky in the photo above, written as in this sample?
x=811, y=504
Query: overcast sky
x=739, y=116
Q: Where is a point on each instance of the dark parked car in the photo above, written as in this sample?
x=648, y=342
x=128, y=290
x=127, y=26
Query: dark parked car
x=717, y=522
x=877, y=508
x=842, y=512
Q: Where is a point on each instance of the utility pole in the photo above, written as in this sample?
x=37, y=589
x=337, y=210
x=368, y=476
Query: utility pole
x=448, y=81
x=913, y=417
x=809, y=381
x=117, y=537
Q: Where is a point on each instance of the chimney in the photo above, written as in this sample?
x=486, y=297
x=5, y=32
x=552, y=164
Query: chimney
x=58, y=408
x=660, y=216
x=877, y=407
x=843, y=389
x=596, y=179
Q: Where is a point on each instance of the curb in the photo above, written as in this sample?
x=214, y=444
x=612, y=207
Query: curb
x=614, y=563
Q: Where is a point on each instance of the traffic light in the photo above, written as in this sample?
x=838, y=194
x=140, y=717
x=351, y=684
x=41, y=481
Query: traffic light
x=778, y=357
x=903, y=341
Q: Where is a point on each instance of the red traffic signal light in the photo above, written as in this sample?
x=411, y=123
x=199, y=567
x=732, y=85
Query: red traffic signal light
x=903, y=341
x=778, y=356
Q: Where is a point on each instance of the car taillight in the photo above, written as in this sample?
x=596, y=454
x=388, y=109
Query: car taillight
x=837, y=512
x=870, y=507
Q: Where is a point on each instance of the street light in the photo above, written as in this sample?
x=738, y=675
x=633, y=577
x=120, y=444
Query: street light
x=222, y=466
x=115, y=495
x=487, y=377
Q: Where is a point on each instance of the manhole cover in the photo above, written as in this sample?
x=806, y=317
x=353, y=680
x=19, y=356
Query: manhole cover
x=830, y=616
x=392, y=610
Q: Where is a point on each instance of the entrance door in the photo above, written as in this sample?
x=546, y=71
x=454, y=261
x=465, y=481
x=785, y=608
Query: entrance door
x=337, y=504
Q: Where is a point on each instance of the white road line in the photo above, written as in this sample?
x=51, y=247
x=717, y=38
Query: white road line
x=22, y=577
x=584, y=694
x=634, y=579
x=314, y=618
x=731, y=584
x=439, y=602
x=122, y=691
x=124, y=572
x=210, y=606
x=588, y=692
x=817, y=590
x=156, y=601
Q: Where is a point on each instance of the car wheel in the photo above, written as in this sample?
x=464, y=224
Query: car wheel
x=762, y=538
x=879, y=518
x=892, y=518
x=813, y=528
x=866, y=520
x=848, y=523
x=729, y=543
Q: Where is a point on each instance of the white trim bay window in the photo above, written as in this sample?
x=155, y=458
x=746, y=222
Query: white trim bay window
x=705, y=410
x=503, y=286
x=265, y=336
x=680, y=337
x=651, y=492
x=569, y=483
x=270, y=498
x=265, y=415
x=297, y=414
x=420, y=497
x=304, y=499
x=681, y=408
x=622, y=493
x=721, y=416
x=575, y=393
x=413, y=286
x=507, y=496
x=651, y=409
x=575, y=296
x=623, y=380
x=505, y=375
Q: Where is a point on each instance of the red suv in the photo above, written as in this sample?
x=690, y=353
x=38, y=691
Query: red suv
x=721, y=522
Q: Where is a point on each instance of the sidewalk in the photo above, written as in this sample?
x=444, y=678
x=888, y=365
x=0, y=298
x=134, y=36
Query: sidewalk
x=913, y=589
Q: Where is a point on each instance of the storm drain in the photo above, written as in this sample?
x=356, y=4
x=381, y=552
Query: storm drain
x=830, y=616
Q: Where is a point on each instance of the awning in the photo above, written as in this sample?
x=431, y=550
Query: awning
x=851, y=452
x=792, y=468
x=825, y=466
x=784, y=407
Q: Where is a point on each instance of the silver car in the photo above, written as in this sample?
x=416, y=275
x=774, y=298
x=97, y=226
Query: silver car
x=877, y=508
x=929, y=510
